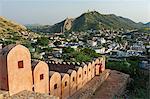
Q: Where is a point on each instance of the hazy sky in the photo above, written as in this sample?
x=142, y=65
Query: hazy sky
x=53, y=11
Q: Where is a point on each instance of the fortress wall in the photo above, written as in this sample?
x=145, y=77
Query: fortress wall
x=97, y=67
x=55, y=83
x=19, y=69
x=41, y=77
x=3, y=72
x=89, y=71
x=60, y=67
x=65, y=85
x=84, y=74
x=93, y=69
x=103, y=63
x=79, y=77
x=73, y=80
x=60, y=79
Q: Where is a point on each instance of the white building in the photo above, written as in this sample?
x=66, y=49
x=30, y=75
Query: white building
x=100, y=50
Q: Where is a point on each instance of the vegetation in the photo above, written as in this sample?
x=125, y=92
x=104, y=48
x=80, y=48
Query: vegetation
x=43, y=41
x=82, y=55
x=92, y=20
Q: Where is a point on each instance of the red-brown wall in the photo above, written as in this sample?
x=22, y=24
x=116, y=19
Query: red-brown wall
x=93, y=69
x=19, y=79
x=55, y=79
x=41, y=77
x=65, y=85
x=79, y=77
x=97, y=68
x=89, y=71
x=84, y=74
x=73, y=81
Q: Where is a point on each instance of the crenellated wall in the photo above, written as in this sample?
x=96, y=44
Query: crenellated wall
x=40, y=76
x=62, y=79
x=16, y=72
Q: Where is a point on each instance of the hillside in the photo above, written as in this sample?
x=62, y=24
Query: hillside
x=8, y=27
x=13, y=32
x=65, y=24
x=91, y=20
x=147, y=24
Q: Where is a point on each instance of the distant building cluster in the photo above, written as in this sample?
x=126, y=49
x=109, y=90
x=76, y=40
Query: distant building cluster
x=18, y=72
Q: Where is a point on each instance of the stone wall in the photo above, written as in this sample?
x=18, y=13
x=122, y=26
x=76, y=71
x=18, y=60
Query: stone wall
x=44, y=77
x=26, y=95
x=88, y=89
x=41, y=77
x=17, y=74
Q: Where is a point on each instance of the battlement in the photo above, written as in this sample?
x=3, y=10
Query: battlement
x=62, y=79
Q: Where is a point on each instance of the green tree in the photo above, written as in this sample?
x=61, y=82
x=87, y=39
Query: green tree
x=68, y=50
x=90, y=52
x=82, y=58
x=43, y=41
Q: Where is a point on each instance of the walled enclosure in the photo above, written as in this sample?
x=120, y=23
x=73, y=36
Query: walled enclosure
x=97, y=68
x=89, y=71
x=73, y=79
x=17, y=74
x=79, y=77
x=93, y=69
x=40, y=76
x=84, y=73
x=103, y=63
x=65, y=85
x=55, y=83
x=60, y=79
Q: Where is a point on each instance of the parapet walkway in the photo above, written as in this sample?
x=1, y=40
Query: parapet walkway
x=89, y=88
x=114, y=86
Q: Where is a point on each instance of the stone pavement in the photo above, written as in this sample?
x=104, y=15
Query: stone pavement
x=27, y=95
x=113, y=86
x=89, y=88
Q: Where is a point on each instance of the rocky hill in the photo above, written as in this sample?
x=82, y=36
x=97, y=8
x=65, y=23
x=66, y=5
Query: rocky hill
x=7, y=27
x=91, y=20
x=13, y=32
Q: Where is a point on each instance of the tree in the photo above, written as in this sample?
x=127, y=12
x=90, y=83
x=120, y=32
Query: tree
x=90, y=52
x=68, y=50
x=43, y=41
x=82, y=58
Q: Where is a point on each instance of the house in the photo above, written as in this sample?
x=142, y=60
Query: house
x=100, y=50
x=117, y=53
x=92, y=42
x=102, y=40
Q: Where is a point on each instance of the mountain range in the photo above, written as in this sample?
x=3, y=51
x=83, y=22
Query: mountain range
x=90, y=20
x=147, y=24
